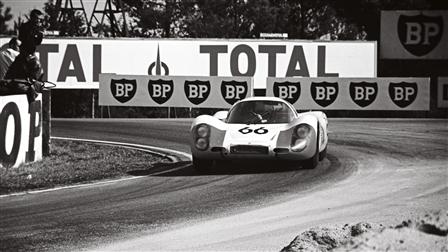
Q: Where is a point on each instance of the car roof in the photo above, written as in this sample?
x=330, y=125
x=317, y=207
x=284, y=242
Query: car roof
x=263, y=98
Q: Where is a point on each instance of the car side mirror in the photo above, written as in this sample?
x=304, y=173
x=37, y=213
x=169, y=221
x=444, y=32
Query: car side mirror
x=221, y=115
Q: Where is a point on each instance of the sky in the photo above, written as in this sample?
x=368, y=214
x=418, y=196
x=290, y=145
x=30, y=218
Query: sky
x=23, y=7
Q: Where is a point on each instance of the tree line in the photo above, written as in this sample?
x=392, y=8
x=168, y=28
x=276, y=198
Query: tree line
x=300, y=19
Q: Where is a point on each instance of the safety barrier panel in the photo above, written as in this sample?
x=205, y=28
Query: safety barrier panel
x=173, y=91
x=442, y=92
x=20, y=130
x=352, y=93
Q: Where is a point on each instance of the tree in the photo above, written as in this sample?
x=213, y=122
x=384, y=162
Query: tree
x=301, y=19
x=5, y=16
x=231, y=19
x=74, y=25
x=158, y=18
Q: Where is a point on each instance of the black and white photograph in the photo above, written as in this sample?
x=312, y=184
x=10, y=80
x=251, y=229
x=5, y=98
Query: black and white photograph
x=214, y=125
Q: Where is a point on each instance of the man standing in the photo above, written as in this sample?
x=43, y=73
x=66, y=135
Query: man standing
x=26, y=64
x=8, y=55
x=31, y=32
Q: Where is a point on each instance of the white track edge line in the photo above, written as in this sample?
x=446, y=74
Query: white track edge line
x=147, y=148
x=152, y=148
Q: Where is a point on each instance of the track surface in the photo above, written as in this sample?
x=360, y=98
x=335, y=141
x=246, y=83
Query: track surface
x=376, y=170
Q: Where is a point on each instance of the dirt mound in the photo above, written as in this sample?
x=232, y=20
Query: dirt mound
x=427, y=233
x=326, y=238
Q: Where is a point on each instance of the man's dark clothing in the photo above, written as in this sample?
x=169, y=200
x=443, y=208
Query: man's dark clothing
x=25, y=67
x=31, y=36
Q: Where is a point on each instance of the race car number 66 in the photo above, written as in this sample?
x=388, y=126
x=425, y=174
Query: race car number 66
x=247, y=130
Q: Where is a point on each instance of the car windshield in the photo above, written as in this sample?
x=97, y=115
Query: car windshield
x=260, y=112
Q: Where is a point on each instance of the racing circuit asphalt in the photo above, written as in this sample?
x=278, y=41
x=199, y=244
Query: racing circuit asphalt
x=376, y=170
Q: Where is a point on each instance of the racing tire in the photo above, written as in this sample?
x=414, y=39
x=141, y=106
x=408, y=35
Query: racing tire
x=312, y=162
x=202, y=165
x=323, y=154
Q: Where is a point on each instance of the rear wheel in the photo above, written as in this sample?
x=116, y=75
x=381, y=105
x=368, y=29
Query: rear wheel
x=202, y=165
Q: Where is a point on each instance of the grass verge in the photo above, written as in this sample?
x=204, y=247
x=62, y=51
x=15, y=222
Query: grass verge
x=72, y=162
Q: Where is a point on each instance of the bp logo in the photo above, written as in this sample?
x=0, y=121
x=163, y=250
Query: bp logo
x=403, y=94
x=233, y=91
x=420, y=34
x=324, y=93
x=289, y=91
x=197, y=91
x=123, y=89
x=160, y=90
x=363, y=93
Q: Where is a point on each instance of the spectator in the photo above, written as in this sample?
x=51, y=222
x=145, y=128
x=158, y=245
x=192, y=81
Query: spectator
x=31, y=32
x=8, y=55
x=27, y=65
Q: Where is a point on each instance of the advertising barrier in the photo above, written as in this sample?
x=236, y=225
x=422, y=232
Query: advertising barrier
x=77, y=63
x=414, y=35
x=20, y=130
x=442, y=92
x=173, y=91
x=352, y=93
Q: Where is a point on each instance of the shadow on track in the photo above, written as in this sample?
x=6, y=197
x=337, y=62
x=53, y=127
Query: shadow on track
x=185, y=168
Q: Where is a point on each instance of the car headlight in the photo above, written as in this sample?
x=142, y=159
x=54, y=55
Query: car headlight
x=203, y=130
x=300, y=138
x=302, y=131
x=201, y=143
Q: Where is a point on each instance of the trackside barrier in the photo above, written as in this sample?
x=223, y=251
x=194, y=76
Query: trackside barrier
x=173, y=91
x=399, y=94
x=20, y=130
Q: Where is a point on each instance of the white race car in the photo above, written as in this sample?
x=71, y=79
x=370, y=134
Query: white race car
x=259, y=128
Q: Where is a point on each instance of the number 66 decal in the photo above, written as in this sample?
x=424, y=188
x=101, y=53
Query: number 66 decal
x=247, y=130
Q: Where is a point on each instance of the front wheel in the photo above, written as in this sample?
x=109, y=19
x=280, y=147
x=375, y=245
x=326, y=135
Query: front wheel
x=323, y=154
x=202, y=165
x=311, y=163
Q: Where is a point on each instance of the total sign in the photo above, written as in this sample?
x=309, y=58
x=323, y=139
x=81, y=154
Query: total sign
x=352, y=93
x=414, y=34
x=77, y=63
x=177, y=91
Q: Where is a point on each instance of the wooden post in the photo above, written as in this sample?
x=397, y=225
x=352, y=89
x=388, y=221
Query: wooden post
x=93, y=103
x=46, y=122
